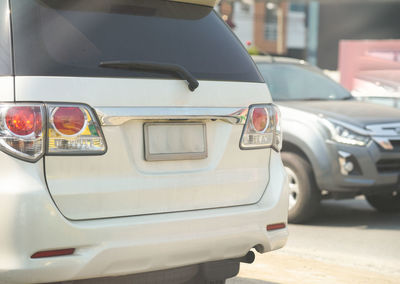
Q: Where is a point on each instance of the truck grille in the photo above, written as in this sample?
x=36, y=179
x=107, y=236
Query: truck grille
x=388, y=166
x=396, y=145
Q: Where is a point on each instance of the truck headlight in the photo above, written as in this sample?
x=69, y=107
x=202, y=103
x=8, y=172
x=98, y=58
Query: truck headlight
x=343, y=135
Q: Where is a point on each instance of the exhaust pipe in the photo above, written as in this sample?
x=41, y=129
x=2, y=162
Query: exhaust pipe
x=223, y=269
x=248, y=258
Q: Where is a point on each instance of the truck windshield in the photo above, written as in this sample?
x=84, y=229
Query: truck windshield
x=71, y=37
x=291, y=82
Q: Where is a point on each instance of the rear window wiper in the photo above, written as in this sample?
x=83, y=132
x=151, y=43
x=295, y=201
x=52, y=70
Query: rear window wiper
x=154, y=66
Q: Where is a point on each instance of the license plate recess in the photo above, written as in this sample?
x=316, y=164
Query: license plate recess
x=175, y=141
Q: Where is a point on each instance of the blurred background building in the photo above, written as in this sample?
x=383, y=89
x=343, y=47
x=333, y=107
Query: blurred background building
x=310, y=30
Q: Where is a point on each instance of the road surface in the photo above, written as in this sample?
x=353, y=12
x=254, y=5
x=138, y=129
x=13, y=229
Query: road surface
x=349, y=242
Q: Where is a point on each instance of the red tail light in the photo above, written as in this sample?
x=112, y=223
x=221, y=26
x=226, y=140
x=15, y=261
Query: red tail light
x=72, y=129
x=69, y=120
x=260, y=119
x=24, y=120
x=262, y=128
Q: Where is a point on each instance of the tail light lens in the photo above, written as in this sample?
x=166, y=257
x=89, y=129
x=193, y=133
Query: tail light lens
x=68, y=121
x=74, y=129
x=24, y=120
x=262, y=129
x=260, y=119
x=68, y=129
x=22, y=132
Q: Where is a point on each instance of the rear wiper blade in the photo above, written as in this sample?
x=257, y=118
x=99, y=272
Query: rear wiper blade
x=154, y=66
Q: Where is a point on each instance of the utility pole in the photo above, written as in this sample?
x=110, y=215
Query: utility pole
x=312, y=32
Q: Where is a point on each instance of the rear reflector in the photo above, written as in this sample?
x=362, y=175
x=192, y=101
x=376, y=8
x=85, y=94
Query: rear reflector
x=51, y=253
x=274, y=227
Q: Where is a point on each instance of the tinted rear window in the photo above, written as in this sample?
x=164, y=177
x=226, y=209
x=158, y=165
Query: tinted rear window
x=71, y=38
x=5, y=40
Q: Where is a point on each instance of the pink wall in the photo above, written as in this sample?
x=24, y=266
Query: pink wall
x=365, y=55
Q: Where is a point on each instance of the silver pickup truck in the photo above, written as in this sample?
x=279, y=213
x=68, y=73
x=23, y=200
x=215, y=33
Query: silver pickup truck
x=333, y=146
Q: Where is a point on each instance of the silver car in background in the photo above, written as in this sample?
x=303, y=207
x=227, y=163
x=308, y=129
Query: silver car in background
x=333, y=145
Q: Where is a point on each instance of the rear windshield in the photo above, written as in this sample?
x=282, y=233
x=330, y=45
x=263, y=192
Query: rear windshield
x=5, y=40
x=71, y=38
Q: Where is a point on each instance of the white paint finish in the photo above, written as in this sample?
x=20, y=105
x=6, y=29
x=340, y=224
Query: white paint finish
x=109, y=92
x=121, y=246
x=7, y=89
x=122, y=183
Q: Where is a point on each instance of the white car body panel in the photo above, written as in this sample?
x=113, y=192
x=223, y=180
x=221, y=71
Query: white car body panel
x=120, y=246
x=7, y=88
x=112, y=92
x=122, y=182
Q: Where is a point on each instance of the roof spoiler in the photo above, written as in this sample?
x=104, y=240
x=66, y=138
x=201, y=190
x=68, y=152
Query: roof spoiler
x=210, y=3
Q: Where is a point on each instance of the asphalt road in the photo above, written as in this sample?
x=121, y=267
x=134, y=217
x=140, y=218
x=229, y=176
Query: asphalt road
x=349, y=242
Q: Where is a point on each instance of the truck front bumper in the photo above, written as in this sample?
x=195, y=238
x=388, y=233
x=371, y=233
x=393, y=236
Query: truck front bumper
x=367, y=177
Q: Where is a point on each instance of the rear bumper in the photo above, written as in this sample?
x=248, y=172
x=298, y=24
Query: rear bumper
x=120, y=246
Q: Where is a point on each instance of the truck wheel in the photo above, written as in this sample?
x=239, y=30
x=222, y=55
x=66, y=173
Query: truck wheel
x=385, y=203
x=304, y=196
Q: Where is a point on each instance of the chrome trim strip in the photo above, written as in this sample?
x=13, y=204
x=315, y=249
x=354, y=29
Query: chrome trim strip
x=113, y=116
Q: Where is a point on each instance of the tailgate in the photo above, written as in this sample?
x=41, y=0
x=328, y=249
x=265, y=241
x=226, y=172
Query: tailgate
x=122, y=182
x=169, y=149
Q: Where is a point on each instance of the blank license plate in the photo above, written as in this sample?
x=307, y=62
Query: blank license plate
x=175, y=141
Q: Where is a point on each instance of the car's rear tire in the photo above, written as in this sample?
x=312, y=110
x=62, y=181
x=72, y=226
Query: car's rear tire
x=385, y=202
x=304, y=196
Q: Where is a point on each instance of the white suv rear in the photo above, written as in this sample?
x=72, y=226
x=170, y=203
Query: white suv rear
x=135, y=136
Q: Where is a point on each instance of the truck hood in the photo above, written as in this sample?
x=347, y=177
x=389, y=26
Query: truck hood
x=352, y=112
